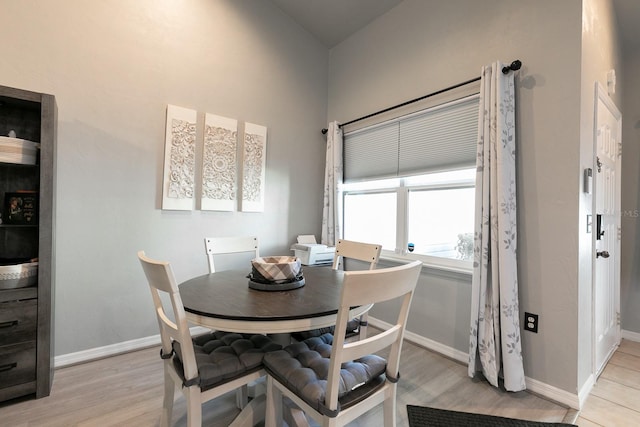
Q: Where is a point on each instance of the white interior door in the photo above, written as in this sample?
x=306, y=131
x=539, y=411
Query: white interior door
x=606, y=236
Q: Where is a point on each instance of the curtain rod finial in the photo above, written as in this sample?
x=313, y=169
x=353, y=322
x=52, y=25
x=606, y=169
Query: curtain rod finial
x=514, y=66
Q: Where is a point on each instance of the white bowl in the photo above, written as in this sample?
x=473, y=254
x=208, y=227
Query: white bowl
x=18, y=275
x=16, y=150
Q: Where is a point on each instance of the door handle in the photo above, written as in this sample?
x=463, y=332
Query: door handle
x=599, y=230
x=603, y=254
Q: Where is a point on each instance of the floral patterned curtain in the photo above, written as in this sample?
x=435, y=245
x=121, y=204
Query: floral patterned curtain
x=494, y=345
x=332, y=181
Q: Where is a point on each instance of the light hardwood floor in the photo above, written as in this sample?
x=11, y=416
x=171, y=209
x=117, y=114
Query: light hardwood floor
x=126, y=390
x=615, y=399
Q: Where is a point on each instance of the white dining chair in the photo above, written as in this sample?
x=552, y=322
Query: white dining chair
x=368, y=253
x=229, y=245
x=204, y=367
x=333, y=381
x=234, y=245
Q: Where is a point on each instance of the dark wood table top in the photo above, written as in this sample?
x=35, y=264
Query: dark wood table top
x=223, y=300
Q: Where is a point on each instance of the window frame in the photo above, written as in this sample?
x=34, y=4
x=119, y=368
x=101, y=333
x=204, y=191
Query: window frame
x=405, y=183
x=402, y=189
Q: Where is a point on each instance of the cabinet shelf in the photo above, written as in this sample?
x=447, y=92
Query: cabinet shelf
x=18, y=165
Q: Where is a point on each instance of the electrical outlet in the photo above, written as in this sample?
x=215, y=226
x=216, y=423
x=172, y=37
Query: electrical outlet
x=531, y=322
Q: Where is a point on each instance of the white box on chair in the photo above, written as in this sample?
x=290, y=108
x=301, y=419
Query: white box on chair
x=312, y=253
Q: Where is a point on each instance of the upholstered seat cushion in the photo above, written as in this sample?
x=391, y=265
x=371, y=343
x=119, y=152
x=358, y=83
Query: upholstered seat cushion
x=303, y=368
x=353, y=328
x=223, y=356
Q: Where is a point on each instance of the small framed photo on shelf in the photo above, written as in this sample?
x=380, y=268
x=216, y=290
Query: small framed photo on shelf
x=20, y=208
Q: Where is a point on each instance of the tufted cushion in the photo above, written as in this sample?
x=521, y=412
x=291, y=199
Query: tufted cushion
x=223, y=356
x=303, y=368
x=353, y=328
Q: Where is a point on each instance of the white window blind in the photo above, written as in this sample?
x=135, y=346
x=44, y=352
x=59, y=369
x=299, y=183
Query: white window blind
x=372, y=152
x=443, y=137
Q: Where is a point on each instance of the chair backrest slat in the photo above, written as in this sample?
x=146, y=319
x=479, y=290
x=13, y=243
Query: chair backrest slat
x=229, y=245
x=367, y=252
x=355, y=349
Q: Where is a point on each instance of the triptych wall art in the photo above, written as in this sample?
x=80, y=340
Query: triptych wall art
x=223, y=161
x=219, y=165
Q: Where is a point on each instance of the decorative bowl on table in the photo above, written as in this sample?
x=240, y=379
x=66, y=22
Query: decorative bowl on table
x=276, y=273
x=15, y=274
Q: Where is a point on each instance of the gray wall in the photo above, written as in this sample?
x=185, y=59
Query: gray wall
x=412, y=51
x=113, y=67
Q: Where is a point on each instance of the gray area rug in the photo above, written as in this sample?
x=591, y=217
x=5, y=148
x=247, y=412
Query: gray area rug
x=423, y=416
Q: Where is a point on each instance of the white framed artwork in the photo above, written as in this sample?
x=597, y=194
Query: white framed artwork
x=219, y=164
x=254, y=155
x=179, y=159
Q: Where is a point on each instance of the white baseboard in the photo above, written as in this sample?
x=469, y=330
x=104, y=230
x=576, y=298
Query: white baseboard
x=427, y=343
x=586, y=390
x=569, y=399
x=547, y=391
x=534, y=386
x=557, y=395
x=631, y=336
x=113, y=349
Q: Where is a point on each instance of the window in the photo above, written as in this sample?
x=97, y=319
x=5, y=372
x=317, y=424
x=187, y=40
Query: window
x=428, y=217
x=410, y=184
x=371, y=217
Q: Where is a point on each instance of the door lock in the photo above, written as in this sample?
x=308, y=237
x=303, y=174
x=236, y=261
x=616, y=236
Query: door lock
x=603, y=254
x=599, y=230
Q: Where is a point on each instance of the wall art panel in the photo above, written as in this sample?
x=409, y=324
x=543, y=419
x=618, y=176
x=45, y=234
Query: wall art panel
x=219, y=164
x=179, y=159
x=254, y=152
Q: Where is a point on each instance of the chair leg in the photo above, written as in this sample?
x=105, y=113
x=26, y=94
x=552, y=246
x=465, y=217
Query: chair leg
x=362, y=329
x=389, y=408
x=293, y=416
x=330, y=422
x=242, y=397
x=252, y=414
x=273, y=413
x=194, y=406
x=167, y=404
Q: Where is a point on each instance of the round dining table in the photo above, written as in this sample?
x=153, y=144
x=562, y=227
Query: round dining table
x=224, y=301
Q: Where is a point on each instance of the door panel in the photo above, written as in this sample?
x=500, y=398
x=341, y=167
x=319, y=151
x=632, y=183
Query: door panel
x=606, y=304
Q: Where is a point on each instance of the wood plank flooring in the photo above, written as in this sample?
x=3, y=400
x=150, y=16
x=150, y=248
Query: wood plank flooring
x=126, y=390
x=615, y=399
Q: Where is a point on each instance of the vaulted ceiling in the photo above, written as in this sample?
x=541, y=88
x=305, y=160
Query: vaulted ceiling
x=332, y=21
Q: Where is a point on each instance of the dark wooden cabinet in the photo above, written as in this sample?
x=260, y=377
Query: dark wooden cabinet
x=26, y=312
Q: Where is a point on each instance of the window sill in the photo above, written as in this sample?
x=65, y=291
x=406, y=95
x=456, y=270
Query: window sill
x=464, y=270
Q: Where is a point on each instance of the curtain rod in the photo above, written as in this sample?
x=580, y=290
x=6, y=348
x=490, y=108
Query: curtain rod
x=515, y=65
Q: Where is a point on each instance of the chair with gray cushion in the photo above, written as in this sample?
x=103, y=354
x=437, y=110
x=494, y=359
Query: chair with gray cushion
x=357, y=251
x=206, y=366
x=333, y=381
x=232, y=251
